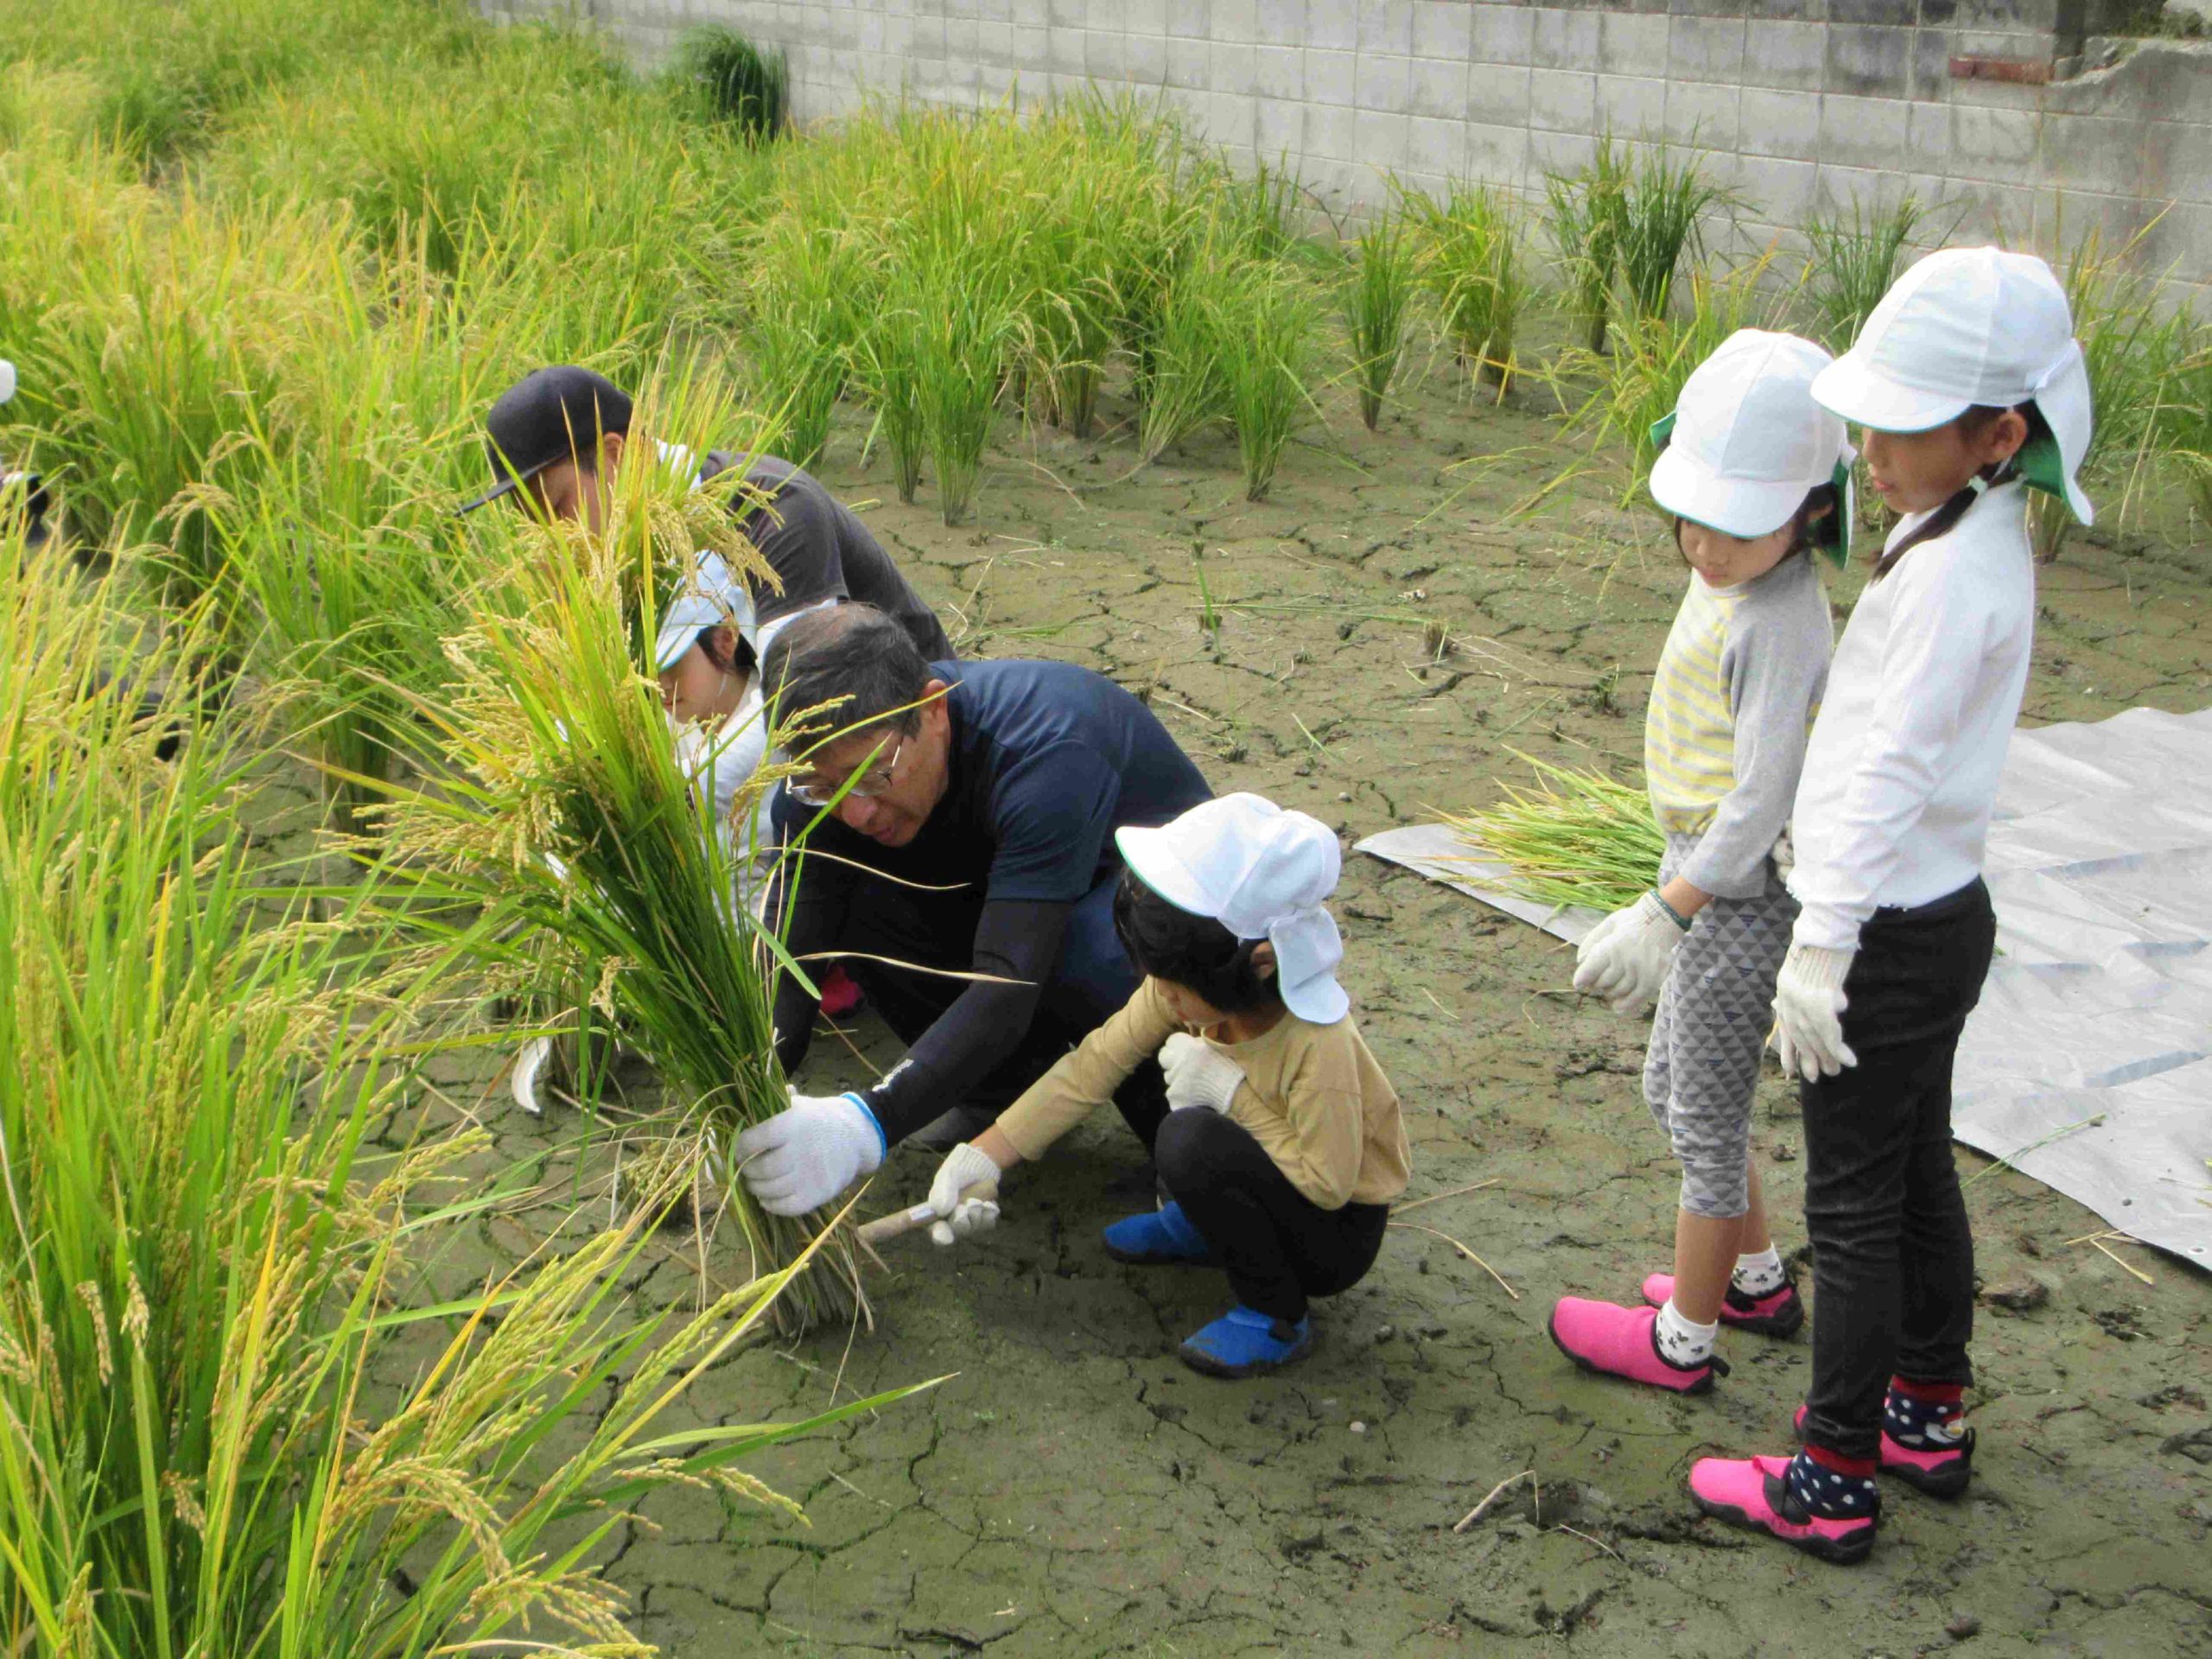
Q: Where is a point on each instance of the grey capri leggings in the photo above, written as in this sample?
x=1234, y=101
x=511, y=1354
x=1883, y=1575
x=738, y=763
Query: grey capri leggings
x=1702, y=1068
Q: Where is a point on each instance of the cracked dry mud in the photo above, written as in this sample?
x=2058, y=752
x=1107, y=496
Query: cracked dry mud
x=1073, y=1490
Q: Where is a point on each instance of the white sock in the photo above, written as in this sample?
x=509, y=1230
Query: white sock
x=1759, y=1275
x=1682, y=1342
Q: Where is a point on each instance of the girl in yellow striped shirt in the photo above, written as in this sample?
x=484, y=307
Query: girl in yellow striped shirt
x=1755, y=474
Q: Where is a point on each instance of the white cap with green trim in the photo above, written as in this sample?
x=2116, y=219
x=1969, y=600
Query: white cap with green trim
x=1966, y=326
x=1747, y=443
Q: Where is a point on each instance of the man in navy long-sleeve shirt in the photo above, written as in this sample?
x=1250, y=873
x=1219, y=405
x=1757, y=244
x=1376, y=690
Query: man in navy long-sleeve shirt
x=976, y=839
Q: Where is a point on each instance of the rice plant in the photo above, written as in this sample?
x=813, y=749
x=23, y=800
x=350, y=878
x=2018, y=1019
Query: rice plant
x=1639, y=382
x=804, y=307
x=205, y=1244
x=888, y=370
x=1470, y=261
x=1663, y=204
x=1852, y=263
x=1577, y=837
x=1588, y=211
x=147, y=367
x=569, y=831
x=1378, y=294
x=2184, y=420
x=2134, y=350
x=735, y=81
x=968, y=323
x=1263, y=343
x=1261, y=209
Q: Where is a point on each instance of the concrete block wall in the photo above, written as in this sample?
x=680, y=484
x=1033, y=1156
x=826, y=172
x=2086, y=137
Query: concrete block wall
x=1801, y=106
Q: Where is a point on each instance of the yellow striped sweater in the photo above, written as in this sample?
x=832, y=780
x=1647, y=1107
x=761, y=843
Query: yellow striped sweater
x=1732, y=702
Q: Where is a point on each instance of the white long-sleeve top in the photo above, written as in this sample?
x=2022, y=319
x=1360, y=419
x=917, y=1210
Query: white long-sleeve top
x=733, y=751
x=1900, y=770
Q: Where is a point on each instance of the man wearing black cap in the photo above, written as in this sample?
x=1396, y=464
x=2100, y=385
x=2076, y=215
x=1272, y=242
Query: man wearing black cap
x=556, y=436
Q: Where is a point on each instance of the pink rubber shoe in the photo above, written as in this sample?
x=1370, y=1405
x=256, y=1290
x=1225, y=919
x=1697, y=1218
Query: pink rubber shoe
x=1937, y=1473
x=1778, y=1313
x=1623, y=1342
x=1751, y=1492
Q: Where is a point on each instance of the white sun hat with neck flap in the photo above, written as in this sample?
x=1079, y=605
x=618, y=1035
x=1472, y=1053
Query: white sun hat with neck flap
x=1261, y=873
x=1966, y=326
x=1747, y=443
x=712, y=596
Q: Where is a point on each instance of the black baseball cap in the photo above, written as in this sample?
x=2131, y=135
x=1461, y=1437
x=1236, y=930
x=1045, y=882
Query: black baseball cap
x=548, y=416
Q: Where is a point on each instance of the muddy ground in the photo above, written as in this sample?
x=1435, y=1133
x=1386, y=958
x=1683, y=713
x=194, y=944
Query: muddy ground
x=1074, y=1490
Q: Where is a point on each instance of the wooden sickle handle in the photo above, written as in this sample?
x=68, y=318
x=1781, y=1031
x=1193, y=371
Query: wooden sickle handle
x=905, y=1221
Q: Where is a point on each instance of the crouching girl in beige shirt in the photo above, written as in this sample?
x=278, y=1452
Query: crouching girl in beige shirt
x=1284, y=1146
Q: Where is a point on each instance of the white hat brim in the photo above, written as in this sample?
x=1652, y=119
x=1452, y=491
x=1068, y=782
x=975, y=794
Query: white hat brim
x=1741, y=507
x=1851, y=391
x=1151, y=854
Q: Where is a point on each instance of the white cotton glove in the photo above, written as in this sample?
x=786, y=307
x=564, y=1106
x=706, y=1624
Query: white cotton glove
x=1808, y=1004
x=1198, y=1074
x=808, y=1153
x=1785, y=855
x=1626, y=957
x=967, y=1164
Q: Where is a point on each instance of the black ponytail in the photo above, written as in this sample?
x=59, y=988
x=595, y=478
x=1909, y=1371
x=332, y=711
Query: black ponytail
x=1945, y=518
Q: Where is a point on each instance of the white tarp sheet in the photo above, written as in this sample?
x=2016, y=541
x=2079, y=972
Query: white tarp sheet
x=2099, y=1001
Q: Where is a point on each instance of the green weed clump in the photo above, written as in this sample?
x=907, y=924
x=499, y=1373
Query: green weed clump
x=735, y=81
x=1471, y=262
x=1378, y=295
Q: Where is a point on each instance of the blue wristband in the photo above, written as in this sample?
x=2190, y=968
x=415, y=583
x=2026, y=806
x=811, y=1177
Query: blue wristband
x=882, y=1145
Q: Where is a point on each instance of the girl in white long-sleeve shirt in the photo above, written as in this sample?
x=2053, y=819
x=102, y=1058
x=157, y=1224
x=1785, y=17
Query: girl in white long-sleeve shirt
x=1971, y=389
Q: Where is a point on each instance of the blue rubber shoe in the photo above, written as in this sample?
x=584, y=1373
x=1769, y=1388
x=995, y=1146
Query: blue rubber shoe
x=1158, y=1237
x=1244, y=1342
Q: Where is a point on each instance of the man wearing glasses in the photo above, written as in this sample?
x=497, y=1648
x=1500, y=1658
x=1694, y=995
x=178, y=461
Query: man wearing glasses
x=964, y=868
x=558, y=434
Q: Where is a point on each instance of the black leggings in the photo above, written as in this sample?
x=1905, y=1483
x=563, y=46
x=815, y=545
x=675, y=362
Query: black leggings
x=1279, y=1246
x=1892, y=1257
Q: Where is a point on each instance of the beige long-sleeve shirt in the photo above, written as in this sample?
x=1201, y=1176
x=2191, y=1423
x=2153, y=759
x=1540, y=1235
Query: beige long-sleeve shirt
x=1313, y=1097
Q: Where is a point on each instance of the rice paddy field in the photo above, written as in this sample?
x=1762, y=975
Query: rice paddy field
x=310, y=1343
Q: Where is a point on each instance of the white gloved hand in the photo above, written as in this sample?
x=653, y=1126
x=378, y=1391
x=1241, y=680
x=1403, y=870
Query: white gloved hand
x=971, y=1218
x=967, y=1164
x=1198, y=1074
x=1785, y=856
x=808, y=1153
x=1808, y=1004
x=1626, y=957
